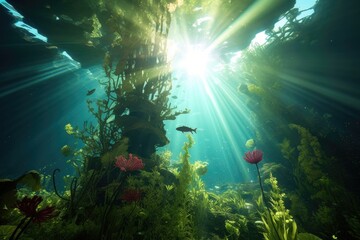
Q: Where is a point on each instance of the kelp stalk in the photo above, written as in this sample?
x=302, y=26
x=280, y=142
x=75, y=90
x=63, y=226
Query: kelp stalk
x=265, y=203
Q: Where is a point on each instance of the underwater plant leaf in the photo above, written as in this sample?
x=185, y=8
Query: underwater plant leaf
x=307, y=236
x=31, y=179
x=200, y=167
x=8, y=187
x=6, y=231
x=286, y=149
x=118, y=149
x=272, y=167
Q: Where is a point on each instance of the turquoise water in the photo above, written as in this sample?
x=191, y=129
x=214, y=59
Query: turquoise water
x=290, y=91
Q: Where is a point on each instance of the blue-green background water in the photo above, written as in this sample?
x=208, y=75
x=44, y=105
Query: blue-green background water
x=41, y=93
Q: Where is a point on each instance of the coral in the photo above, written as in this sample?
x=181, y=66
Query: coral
x=133, y=163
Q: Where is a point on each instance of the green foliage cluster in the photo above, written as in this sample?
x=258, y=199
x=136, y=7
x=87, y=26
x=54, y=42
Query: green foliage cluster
x=236, y=214
x=283, y=223
x=318, y=198
x=172, y=205
x=310, y=168
x=138, y=78
x=314, y=180
x=286, y=149
x=278, y=223
x=311, y=160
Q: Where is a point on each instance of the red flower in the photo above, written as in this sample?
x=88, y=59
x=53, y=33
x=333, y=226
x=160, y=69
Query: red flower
x=131, y=164
x=28, y=206
x=131, y=195
x=44, y=214
x=253, y=157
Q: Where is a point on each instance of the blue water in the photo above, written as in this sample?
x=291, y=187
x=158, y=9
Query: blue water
x=40, y=98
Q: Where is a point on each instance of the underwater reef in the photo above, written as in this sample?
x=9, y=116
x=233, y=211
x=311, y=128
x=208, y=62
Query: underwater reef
x=123, y=187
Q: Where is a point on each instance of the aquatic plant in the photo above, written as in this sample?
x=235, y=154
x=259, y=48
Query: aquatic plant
x=310, y=175
x=233, y=230
x=126, y=166
x=200, y=167
x=286, y=149
x=28, y=206
x=284, y=226
x=73, y=188
x=9, y=188
x=254, y=157
x=311, y=159
x=231, y=216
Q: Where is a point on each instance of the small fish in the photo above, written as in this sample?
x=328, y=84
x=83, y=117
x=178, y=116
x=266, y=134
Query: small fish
x=174, y=97
x=90, y=92
x=51, y=47
x=186, y=129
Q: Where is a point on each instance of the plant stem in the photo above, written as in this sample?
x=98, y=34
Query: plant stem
x=23, y=229
x=17, y=228
x=54, y=185
x=265, y=203
x=108, y=208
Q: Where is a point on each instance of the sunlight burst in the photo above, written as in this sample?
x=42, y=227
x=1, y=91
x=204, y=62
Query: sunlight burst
x=195, y=61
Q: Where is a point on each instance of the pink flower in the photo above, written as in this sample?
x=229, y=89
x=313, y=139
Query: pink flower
x=253, y=157
x=131, y=164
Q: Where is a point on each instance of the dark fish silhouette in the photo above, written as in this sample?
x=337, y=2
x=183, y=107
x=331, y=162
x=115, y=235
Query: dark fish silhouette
x=90, y=92
x=186, y=129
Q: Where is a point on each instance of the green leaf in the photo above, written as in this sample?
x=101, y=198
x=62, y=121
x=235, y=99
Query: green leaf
x=307, y=236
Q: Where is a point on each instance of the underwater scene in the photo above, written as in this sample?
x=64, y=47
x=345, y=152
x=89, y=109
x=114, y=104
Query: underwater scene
x=180, y=119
